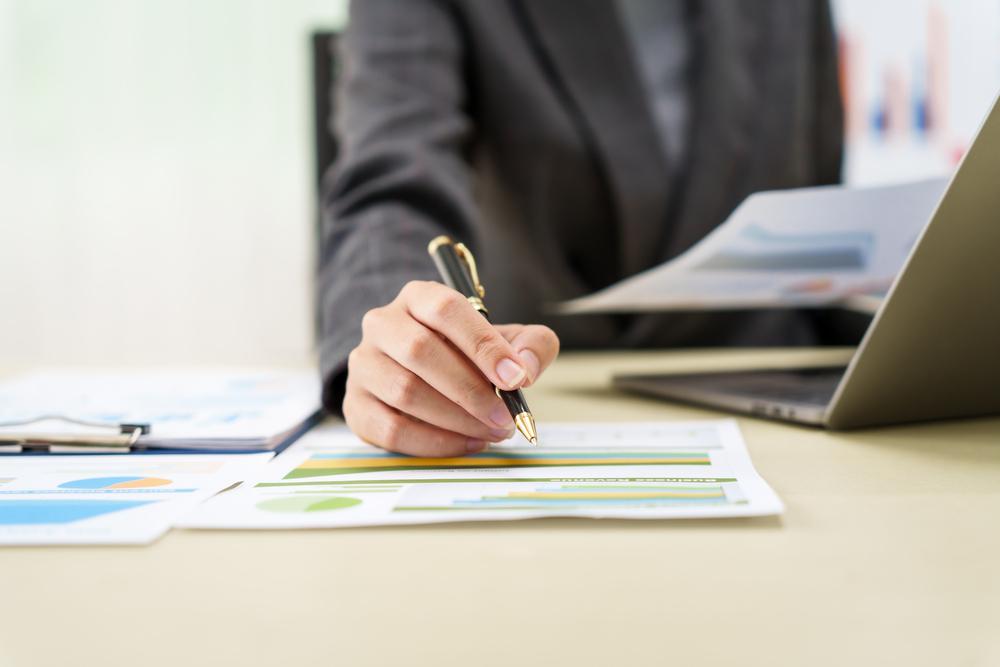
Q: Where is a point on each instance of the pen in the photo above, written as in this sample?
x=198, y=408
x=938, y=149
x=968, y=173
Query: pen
x=457, y=267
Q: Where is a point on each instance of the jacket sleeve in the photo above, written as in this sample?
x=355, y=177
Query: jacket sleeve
x=401, y=177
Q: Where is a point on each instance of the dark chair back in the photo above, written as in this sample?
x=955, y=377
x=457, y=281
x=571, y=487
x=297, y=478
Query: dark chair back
x=324, y=70
x=323, y=46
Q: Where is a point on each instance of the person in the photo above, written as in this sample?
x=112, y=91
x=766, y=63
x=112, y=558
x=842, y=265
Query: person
x=569, y=143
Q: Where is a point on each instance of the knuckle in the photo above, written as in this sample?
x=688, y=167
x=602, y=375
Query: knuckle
x=370, y=320
x=419, y=346
x=413, y=288
x=485, y=345
x=393, y=432
x=442, y=445
x=445, y=306
x=552, y=338
x=408, y=289
x=404, y=390
x=545, y=336
x=475, y=396
x=347, y=407
x=353, y=360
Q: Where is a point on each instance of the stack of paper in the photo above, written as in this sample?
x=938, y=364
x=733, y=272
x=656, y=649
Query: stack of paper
x=218, y=410
x=109, y=499
x=624, y=470
x=793, y=248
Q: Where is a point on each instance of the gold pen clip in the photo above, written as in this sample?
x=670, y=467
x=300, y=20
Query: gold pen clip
x=466, y=256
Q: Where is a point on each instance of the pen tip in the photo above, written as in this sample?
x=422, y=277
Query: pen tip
x=526, y=425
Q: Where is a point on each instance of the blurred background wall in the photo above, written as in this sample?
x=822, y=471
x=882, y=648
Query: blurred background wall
x=156, y=180
x=156, y=187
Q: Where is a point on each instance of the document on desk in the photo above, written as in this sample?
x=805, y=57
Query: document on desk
x=109, y=499
x=223, y=410
x=657, y=470
x=790, y=248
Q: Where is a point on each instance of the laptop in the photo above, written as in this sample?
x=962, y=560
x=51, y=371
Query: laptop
x=932, y=350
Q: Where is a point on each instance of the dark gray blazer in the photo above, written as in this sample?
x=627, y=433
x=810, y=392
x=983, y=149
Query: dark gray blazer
x=522, y=128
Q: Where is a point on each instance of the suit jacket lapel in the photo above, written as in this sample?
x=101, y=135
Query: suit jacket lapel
x=586, y=48
x=724, y=104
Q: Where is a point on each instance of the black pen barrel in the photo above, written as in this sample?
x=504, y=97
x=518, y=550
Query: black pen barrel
x=452, y=271
x=465, y=281
x=514, y=400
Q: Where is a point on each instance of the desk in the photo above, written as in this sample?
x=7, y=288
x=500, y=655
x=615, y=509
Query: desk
x=889, y=554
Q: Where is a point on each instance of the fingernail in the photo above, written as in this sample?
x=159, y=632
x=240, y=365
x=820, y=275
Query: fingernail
x=510, y=373
x=501, y=417
x=473, y=446
x=530, y=361
x=502, y=434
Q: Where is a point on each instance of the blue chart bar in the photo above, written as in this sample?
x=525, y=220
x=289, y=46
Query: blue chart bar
x=761, y=249
x=25, y=512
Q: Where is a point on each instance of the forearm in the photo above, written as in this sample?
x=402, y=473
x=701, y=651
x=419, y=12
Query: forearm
x=367, y=258
x=401, y=177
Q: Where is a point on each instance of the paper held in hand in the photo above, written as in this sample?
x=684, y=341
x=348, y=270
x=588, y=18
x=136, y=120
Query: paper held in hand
x=792, y=248
x=654, y=470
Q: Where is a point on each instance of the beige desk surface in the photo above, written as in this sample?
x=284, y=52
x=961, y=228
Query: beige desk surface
x=889, y=554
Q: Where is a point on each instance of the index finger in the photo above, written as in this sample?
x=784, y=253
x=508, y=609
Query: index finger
x=448, y=313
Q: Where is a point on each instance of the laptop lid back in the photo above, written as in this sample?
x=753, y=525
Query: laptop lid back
x=933, y=349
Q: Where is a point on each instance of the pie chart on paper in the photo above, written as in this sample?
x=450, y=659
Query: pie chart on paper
x=115, y=483
x=296, y=504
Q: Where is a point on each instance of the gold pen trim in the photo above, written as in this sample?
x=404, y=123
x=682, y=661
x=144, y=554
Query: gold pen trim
x=478, y=304
x=525, y=424
x=437, y=242
x=466, y=256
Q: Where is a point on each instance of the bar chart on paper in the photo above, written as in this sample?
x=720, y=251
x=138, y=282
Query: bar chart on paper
x=641, y=471
x=759, y=248
x=555, y=495
x=345, y=463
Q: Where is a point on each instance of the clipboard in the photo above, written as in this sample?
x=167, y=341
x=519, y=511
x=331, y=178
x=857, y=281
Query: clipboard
x=154, y=411
x=127, y=439
x=119, y=437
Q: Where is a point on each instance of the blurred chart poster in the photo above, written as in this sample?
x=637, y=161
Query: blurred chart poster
x=917, y=78
x=792, y=248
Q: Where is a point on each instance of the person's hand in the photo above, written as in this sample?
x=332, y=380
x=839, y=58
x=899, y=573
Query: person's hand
x=419, y=382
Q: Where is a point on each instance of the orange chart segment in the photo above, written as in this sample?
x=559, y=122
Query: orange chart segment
x=129, y=482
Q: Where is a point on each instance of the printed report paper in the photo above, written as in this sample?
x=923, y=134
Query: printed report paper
x=789, y=248
x=109, y=499
x=657, y=470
